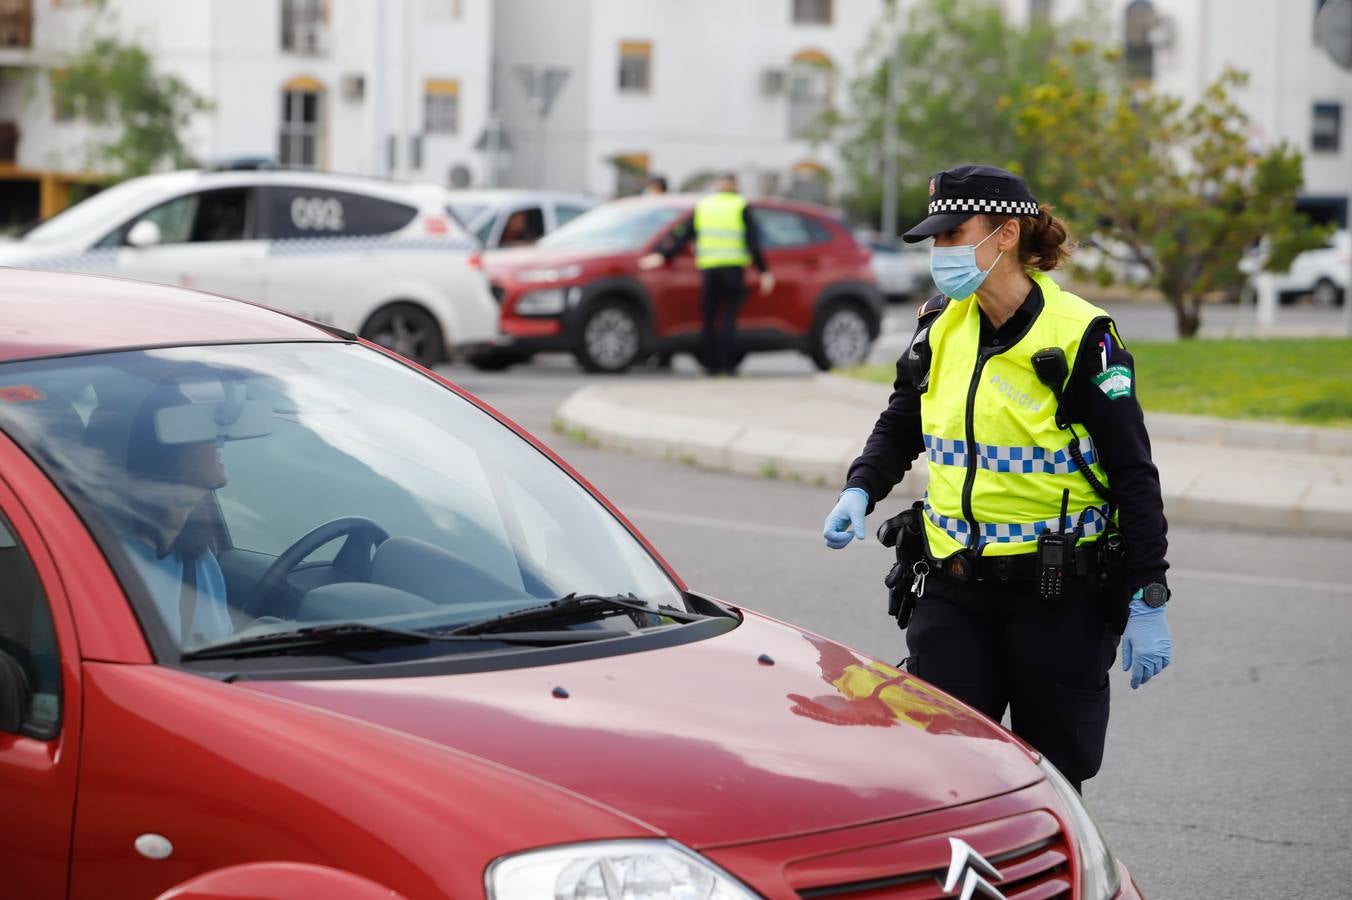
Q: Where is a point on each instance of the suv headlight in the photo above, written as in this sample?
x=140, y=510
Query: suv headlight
x=538, y=276
x=548, y=302
x=1098, y=868
x=611, y=870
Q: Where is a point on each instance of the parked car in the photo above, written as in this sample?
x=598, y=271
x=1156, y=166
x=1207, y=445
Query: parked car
x=503, y=218
x=422, y=658
x=902, y=270
x=1321, y=273
x=380, y=259
x=580, y=289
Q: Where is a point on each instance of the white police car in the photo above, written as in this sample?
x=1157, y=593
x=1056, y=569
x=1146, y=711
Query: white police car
x=381, y=259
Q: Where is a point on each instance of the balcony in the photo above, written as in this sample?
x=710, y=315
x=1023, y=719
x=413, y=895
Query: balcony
x=16, y=24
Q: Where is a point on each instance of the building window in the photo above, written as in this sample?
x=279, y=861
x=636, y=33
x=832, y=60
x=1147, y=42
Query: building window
x=812, y=12
x=636, y=61
x=1326, y=127
x=305, y=25
x=631, y=173
x=441, y=106
x=810, y=78
x=1039, y=10
x=1139, y=43
x=301, y=137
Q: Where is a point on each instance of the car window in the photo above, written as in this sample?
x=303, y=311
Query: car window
x=485, y=231
x=229, y=456
x=782, y=228
x=523, y=226
x=303, y=212
x=566, y=212
x=621, y=226
x=220, y=215
x=28, y=636
x=467, y=213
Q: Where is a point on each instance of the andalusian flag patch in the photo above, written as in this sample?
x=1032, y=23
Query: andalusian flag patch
x=1115, y=381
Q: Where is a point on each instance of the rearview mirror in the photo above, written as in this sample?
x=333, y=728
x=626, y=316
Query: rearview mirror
x=197, y=423
x=144, y=233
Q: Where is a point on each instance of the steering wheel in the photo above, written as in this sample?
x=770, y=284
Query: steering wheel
x=363, y=535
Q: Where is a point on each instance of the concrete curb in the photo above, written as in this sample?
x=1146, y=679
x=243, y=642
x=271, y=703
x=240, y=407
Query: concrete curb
x=1273, y=477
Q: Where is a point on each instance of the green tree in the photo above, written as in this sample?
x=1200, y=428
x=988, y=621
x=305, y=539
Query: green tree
x=1179, y=190
x=962, y=62
x=142, y=114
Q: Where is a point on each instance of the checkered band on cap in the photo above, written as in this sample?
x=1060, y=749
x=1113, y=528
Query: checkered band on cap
x=999, y=207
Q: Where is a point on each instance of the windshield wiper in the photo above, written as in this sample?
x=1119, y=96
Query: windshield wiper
x=569, y=607
x=360, y=634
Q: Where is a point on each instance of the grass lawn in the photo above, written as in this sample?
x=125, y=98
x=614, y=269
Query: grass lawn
x=1304, y=380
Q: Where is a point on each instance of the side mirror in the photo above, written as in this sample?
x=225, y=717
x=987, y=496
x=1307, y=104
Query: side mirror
x=144, y=233
x=15, y=694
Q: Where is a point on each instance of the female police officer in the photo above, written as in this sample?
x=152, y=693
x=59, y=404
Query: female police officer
x=1030, y=464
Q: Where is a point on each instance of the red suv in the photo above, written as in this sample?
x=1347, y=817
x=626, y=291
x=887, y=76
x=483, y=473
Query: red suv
x=580, y=289
x=417, y=656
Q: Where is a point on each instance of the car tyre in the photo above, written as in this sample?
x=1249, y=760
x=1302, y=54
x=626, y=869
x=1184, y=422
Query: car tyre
x=1326, y=294
x=610, y=339
x=409, y=330
x=841, y=337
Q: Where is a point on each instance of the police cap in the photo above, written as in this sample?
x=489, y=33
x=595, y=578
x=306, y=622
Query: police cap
x=955, y=195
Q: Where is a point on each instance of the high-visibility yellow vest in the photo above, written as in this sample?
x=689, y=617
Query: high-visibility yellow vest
x=720, y=232
x=997, y=462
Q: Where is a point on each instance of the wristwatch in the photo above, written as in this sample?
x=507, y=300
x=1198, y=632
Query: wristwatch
x=1153, y=594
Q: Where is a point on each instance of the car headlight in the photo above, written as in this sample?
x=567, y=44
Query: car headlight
x=612, y=870
x=538, y=276
x=1098, y=868
x=548, y=302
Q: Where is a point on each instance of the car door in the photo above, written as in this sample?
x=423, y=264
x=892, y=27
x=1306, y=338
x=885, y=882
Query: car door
x=675, y=290
x=208, y=240
x=791, y=243
x=39, y=758
x=330, y=251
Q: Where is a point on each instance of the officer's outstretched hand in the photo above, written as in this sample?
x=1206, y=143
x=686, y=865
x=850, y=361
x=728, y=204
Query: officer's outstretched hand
x=1146, y=647
x=845, y=522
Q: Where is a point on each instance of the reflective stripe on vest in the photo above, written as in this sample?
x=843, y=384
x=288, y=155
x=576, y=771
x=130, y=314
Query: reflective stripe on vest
x=1023, y=460
x=1019, y=532
x=720, y=232
x=996, y=479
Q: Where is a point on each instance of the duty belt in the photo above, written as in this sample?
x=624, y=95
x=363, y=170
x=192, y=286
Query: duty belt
x=967, y=566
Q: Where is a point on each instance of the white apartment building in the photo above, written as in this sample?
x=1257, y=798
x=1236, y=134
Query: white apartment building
x=382, y=87
x=683, y=89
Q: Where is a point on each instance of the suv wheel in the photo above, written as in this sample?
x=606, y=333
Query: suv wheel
x=841, y=338
x=1326, y=293
x=408, y=330
x=611, y=337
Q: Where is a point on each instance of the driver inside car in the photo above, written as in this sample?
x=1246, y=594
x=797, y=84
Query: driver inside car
x=173, y=527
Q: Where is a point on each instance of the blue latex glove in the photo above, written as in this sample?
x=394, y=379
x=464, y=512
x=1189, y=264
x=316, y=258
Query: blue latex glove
x=846, y=520
x=1146, y=647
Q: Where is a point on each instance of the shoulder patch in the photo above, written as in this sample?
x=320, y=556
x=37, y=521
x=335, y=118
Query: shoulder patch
x=1114, y=381
x=932, y=305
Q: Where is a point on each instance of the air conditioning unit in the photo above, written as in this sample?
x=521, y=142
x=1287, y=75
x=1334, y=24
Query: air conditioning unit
x=353, y=86
x=772, y=82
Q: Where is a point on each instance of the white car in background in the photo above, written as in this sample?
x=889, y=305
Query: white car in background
x=1322, y=273
x=902, y=269
x=381, y=259
x=487, y=213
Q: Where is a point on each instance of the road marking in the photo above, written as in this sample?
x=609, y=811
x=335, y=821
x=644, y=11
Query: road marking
x=800, y=534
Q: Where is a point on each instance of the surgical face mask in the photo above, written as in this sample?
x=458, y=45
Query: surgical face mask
x=955, y=269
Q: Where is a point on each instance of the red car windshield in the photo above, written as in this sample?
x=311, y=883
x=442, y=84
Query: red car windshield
x=613, y=227
x=223, y=462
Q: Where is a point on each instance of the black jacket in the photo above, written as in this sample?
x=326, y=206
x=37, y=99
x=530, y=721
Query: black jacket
x=1116, y=426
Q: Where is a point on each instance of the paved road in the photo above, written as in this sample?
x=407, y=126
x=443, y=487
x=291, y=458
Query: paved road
x=1228, y=777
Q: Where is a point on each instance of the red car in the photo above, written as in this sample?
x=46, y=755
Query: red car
x=580, y=289
x=286, y=616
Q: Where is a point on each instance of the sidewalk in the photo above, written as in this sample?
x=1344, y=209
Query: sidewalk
x=1213, y=471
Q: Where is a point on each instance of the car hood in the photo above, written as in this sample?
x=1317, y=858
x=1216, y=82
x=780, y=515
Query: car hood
x=761, y=732
x=518, y=259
